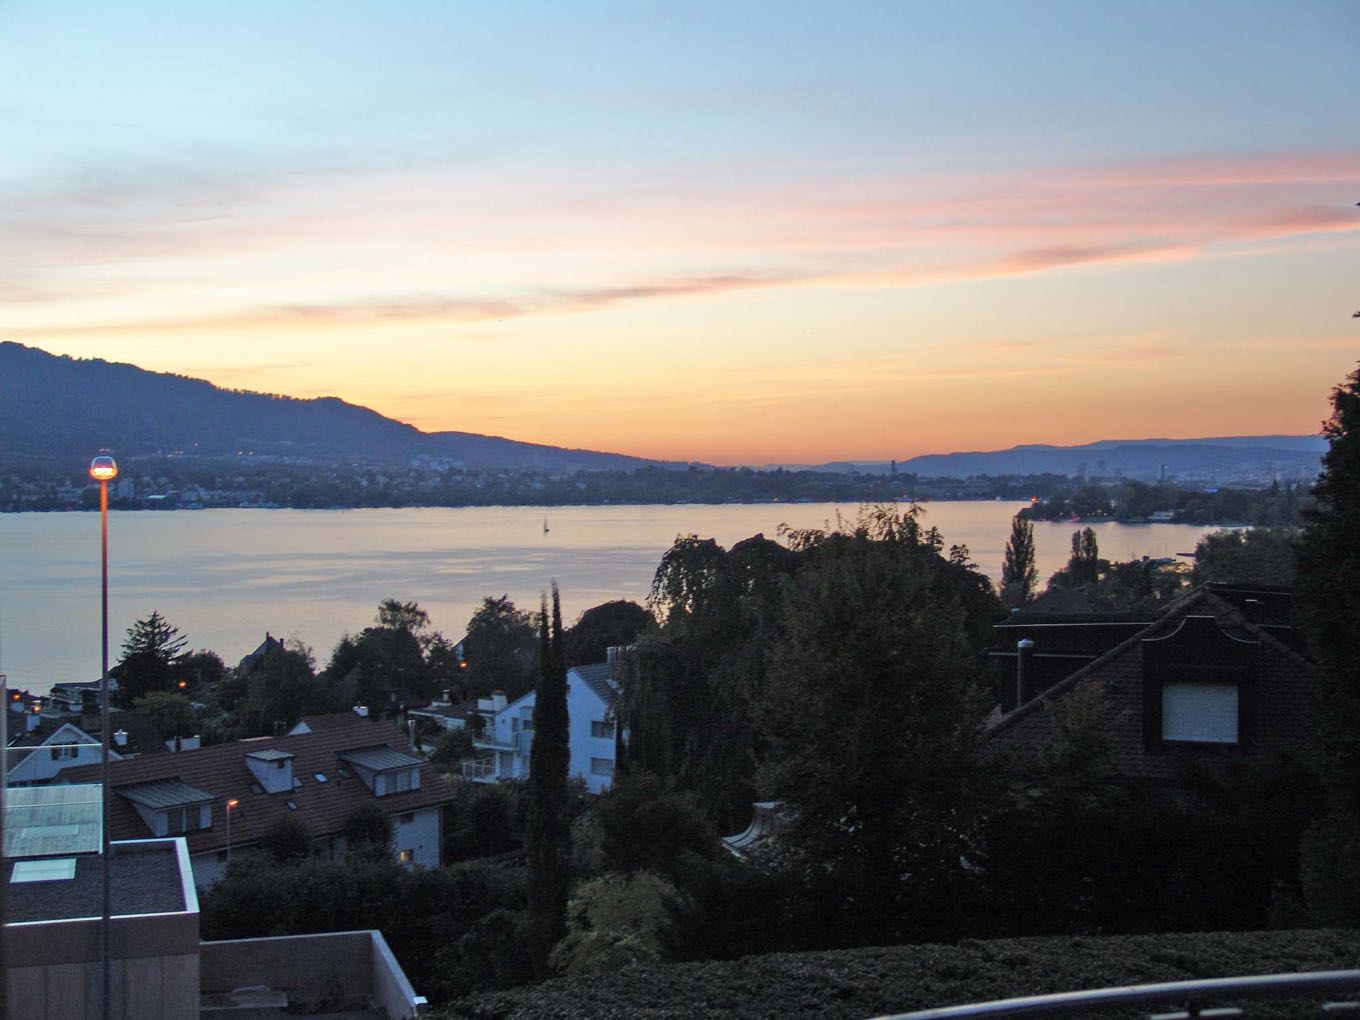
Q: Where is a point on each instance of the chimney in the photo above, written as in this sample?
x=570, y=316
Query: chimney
x=120, y=737
x=361, y=711
x=1024, y=651
x=447, y=699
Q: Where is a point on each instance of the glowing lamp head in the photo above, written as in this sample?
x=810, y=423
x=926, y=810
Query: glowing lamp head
x=103, y=468
x=232, y=803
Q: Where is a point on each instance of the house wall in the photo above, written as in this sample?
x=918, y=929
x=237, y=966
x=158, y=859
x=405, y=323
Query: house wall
x=40, y=766
x=421, y=835
x=584, y=707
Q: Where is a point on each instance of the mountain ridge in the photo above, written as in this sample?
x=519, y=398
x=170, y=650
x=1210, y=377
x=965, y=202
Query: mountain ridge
x=57, y=407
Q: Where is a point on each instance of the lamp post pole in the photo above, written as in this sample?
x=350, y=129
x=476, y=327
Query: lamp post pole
x=230, y=804
x=103, y=470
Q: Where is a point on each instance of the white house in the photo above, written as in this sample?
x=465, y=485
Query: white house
x=508, y=731
x=66, y=747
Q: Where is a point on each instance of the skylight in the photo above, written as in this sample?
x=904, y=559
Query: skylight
x=320, y=777
x=49, y=870
x=292, y=805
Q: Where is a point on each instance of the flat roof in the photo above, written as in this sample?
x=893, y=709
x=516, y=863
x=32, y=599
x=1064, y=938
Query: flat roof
x=269, y=754
x=144, y=879
x=164, y=793
x=380, y=758
x=46, y=821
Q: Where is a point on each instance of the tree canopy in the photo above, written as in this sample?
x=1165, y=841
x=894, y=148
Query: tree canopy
x=149, y=653
x=1019, y=573
x=501, y=649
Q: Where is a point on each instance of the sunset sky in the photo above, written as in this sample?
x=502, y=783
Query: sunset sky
x=731, y=232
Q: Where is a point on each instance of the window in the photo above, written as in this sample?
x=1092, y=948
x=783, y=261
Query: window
x=601, y=767
x=256, y=788
x=1199, y=713
x=297, y=783
x=52, y=870
x=292, y=805
x=399, y=781
x=599, y=728
x=64, y=753
x=184, y=819
x=406, y=856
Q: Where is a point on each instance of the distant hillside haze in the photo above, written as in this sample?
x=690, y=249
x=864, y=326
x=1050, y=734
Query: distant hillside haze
x=58, y=409
x=1229, y=457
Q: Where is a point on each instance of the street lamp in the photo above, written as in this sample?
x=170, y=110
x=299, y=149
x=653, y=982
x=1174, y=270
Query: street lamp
x=231, y=804
x=103, y=470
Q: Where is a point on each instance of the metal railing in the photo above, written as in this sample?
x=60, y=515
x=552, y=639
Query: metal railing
x=490, y=739
x=482, y=768
x=1189, y=998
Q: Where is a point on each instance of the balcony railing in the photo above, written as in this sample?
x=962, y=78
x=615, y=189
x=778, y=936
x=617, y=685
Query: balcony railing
x=1189, y=998
x=480, y=771
x=489, y=739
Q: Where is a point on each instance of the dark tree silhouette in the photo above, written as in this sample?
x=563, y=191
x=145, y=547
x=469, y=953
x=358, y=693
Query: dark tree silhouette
x=549, y=833
x=149, y=654
x=1329, y=595
x=1019, y=574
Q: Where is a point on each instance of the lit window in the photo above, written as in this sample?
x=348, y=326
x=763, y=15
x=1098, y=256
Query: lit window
x=1199, y=713
x=406, y=856
x=601, y=767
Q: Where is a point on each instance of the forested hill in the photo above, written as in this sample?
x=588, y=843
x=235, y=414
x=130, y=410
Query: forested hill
x=59, y=410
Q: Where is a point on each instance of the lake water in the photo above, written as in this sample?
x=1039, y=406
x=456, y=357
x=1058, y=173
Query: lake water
x=225, y=577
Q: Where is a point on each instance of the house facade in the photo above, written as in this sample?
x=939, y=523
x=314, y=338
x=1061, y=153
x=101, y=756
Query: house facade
x=1216, y=673
x=226, y=797
x=507, y=734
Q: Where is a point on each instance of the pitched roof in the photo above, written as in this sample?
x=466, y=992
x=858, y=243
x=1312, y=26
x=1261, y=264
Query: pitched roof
x=222, y=772
x=164, y=793
x=380, y=758
x=599, y=677
x=1197, y=600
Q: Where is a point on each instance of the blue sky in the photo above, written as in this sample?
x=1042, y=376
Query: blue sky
x=733, y=232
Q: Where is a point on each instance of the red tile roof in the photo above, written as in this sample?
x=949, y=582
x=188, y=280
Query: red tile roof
x=222, y=771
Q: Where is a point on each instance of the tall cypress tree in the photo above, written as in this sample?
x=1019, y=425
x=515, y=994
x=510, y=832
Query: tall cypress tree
x=1019, y=574
x=549, y=835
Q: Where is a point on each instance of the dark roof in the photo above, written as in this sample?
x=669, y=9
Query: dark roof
x=144, y=880
x=462, y=710
x=380, y=758
x=599, y=677
x=1119, y=674
x=164, y=793
x=222, y=771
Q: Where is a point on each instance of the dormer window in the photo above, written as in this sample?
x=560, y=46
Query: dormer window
x=272, y=769
x=170, y=807
x=383, y=770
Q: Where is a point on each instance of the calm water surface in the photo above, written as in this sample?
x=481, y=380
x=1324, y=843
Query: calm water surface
x=224, y=577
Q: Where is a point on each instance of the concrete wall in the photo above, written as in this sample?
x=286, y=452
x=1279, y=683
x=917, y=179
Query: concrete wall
x=333, y=971
x=54, y=970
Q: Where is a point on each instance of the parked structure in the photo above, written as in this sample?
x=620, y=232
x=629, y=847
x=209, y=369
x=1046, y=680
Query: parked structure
x=226, y=797
x=507, y=731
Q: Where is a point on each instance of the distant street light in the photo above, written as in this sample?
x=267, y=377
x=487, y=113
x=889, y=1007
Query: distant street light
x=230, y=804
x=103, y=470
